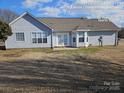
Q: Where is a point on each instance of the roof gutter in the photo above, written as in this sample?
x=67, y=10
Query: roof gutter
x=98, y=30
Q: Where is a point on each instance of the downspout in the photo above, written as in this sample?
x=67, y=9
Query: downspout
x=116, y=38
x=52, y=40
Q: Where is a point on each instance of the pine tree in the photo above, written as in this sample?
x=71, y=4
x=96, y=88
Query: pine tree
x=5, y=31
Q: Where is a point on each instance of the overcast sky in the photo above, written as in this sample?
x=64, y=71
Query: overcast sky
x=112, y=9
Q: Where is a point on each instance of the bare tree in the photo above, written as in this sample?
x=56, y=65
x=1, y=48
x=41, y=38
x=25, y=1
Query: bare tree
x=7, y=15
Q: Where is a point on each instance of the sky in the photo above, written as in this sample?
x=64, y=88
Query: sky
x=111, y=9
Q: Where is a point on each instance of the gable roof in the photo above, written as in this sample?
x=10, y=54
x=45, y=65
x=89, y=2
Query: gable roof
x=73, y=24
x=77, y=24
x=26, y=13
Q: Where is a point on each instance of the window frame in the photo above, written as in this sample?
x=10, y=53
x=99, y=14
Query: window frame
x=81, y=36
x=45, y=36
x=41, y=36
x=17, y=38
x=80, y=39
x=33, y=37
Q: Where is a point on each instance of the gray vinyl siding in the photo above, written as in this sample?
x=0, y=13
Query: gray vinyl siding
x=108, y=37
x=27, y=24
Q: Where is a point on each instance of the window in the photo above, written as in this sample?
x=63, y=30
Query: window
x=45, y=37
x=39, y=37
x=87, y=39
x=20, y=37
x=81, y=36
x=44, y=40
x=65, y=39
x=81, y=39
x=34, y=39
x=74, y=39
x=60, y=40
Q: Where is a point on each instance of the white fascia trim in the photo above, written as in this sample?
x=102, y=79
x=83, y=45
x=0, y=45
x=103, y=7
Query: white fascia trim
x=25, y=13
x=83, y=30
x=107, y=30
x=61, y=31
x=99, y=30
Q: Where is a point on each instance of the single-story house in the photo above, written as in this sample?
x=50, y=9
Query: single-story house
x=31, y=32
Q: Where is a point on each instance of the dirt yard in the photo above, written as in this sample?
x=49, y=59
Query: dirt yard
x=63, y=71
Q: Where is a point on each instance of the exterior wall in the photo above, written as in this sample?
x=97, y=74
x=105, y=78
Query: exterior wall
x=108, y=38
x=27, y=24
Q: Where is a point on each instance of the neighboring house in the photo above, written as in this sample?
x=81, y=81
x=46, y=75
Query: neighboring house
x=31, y=32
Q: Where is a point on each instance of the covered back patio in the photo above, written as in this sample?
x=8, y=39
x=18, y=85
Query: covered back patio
x=70, y=39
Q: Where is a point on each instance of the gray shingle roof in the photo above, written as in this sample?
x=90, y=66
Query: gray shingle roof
x=73, y=24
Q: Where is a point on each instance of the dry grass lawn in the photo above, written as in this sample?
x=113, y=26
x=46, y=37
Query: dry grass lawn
x=113, y=54
x=27, y=54
x=62, y=71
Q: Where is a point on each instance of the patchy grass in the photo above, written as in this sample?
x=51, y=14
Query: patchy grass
x=46, y=50
x=79, y=51
x=75, y=74
x=25, y=50
x=14, y=54
x=87, y=50
x=61, y=71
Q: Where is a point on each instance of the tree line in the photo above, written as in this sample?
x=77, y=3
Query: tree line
x=121, y=33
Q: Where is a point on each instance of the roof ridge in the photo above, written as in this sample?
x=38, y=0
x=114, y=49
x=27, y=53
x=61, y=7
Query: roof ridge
x=65, y=18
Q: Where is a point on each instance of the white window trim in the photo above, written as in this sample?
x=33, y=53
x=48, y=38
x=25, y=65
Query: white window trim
x=81, y=36
x=17, y=40
x=37, y=38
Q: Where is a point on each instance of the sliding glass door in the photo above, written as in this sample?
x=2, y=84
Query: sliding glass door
x=63, y=39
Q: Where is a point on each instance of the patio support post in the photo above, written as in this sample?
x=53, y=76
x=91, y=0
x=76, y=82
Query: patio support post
x=85, y=39
x=77, y=37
